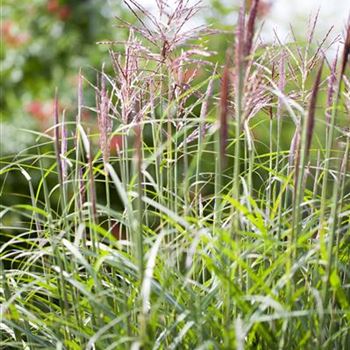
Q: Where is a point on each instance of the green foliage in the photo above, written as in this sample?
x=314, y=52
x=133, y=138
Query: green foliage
x=44, y=44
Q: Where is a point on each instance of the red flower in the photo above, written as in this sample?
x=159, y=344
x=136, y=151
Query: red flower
x=11, y=34
x=42, y=112
x=36, y=110
x=64, y=13
x=53, y=6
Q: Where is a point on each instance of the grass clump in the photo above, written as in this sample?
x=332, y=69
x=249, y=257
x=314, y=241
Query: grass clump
x=208, y=210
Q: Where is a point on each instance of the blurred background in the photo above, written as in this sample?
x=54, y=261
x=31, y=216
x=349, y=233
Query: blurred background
x=45, y=42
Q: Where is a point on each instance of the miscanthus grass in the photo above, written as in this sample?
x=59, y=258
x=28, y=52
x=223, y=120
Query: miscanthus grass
x=207, y=208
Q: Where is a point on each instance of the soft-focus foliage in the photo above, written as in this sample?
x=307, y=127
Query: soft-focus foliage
x=44, y=43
